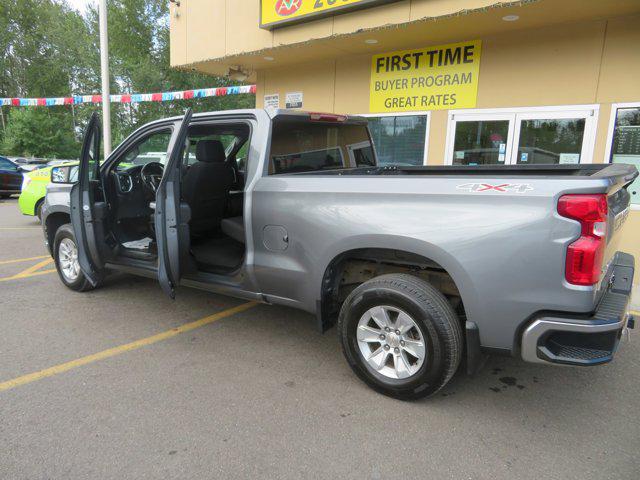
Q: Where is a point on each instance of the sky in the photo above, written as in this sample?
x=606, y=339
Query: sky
x=80, y=5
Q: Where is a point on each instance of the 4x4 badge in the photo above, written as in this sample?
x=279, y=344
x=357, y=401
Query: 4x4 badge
x=502, y=187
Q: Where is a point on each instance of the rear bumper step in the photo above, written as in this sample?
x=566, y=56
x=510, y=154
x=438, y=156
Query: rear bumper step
x=569, y=340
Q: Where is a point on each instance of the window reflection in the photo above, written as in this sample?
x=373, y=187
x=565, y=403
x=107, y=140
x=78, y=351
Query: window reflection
x=480, y=142
x=550, y=141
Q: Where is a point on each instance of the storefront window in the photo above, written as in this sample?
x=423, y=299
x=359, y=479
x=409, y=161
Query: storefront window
x=399, y=140
x=626, y=144
x=480, y=142
x=550, y=140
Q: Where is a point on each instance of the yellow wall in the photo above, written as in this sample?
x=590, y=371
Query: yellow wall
x=596, y=62
x=213, y=35
x=207, y=29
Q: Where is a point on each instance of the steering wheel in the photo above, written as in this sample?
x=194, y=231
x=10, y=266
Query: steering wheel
x=151, y=175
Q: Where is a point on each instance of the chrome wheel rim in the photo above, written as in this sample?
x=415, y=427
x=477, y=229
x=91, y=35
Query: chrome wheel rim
x=68, y=259
x=391, y=342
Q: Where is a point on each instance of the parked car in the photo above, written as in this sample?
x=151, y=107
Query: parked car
x=418, y=266
x=30, y=164
x=10, y=178
x=34, y=188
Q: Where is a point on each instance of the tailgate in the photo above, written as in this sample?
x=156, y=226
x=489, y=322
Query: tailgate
x=619, y=201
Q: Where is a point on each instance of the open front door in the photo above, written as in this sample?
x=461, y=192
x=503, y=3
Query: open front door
x=88, y=207
x=172, y=215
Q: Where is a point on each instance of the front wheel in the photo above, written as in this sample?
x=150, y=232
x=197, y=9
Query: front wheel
x=65, y=254
x=400, y=336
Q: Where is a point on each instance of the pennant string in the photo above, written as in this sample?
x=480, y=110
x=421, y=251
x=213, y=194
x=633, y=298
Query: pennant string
x=130, y=98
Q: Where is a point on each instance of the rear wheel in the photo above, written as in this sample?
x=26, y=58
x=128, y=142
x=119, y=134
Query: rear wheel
x=65, y=254
x=38, y=209
x=400, y=336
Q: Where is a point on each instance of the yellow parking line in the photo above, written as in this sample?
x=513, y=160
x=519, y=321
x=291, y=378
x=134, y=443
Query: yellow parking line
x=34, y=274
x=112, y=352
x=20, y=228
x=33, y=268
x=31, y=271
x=20, y=260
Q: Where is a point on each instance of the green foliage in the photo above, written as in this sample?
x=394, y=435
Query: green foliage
x=36, y=132
x=48, y=49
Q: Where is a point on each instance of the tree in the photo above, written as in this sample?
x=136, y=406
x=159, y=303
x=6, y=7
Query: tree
x=48, y=49
x=139, y=63
x=37, y=132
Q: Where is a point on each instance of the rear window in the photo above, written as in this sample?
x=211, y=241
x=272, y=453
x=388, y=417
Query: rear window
x=310, y=147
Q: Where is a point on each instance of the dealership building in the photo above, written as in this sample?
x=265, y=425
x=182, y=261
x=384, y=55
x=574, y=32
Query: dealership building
x=443, y=82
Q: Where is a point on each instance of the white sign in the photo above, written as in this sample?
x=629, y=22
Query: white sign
x=569, y=158
x=293, y=100
x=272, y=101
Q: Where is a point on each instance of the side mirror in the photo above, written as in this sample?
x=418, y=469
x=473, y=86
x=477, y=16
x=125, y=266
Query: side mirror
x=62, y=174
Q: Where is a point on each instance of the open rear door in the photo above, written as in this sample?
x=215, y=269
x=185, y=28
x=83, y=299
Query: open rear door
x=88, y=207
x=172, y=215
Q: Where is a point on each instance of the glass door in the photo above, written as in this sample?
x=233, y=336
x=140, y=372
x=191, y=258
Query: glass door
x=533, y=136
x=481, y=139
x=552, y=138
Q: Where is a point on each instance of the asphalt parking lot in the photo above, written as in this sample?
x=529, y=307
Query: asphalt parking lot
x=120, y=383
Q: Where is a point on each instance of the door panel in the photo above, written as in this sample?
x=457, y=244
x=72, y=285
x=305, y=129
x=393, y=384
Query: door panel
x=172, y=215
x=88, y=208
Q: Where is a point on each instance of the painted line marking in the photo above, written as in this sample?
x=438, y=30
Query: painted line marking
x=112, y=352
x=35, y=274
x=31, y=271
x=20, y=260
x=35, y=267
x=19, y=228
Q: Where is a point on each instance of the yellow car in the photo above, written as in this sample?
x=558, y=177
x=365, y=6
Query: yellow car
x=34, y=188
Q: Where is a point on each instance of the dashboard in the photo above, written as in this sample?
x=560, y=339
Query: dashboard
x=128, y=180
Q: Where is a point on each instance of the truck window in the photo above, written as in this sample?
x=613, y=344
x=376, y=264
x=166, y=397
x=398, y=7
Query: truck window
x=298, y=146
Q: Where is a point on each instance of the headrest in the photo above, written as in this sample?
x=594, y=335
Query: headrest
x=210, y=151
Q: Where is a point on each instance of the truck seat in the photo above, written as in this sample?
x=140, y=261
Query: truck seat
x=234, y=228
x=206, y=186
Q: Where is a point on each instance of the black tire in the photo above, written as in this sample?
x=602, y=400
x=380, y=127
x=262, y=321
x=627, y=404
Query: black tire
x=4, y=196
x=431, y=312
x=38, y=209
x=80, y=284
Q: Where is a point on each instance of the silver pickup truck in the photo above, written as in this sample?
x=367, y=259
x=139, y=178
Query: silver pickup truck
x=420, y=267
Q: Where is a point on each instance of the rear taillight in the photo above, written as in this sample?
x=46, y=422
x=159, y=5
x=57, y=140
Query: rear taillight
x=26, y=180
x=585, y=255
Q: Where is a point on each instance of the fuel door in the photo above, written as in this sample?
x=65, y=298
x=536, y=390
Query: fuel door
x=275, y=238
